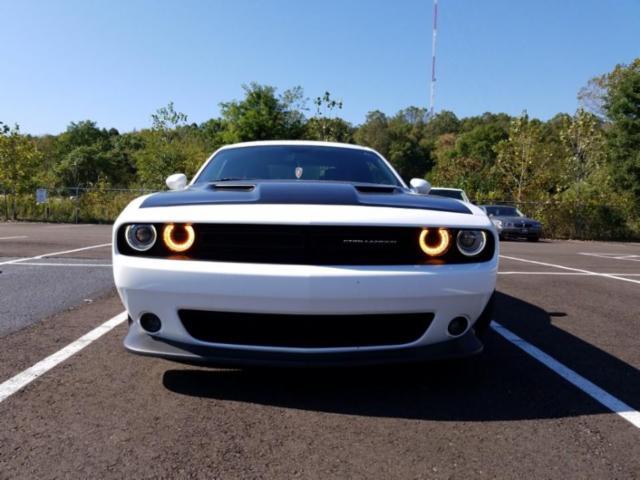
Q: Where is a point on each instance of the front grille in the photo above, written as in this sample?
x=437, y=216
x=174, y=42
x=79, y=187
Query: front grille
x=308, y=244
x=305, y=331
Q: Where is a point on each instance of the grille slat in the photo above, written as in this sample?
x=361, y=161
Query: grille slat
x=305, y=331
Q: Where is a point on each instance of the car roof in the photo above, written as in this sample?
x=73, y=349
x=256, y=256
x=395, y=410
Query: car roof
x=307, y=143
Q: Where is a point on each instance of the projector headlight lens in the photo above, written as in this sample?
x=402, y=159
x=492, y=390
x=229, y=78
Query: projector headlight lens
x=178, y=238
x=435, y=243
x=141, y=237
x=471, y=242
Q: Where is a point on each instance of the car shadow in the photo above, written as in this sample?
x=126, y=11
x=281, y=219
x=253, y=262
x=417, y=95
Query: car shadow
x=502, y=384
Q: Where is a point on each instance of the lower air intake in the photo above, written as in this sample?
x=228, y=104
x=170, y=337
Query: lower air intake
x=305, y=331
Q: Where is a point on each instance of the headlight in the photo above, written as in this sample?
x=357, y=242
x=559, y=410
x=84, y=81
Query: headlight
x=178, y=238
x=471, y=242
x=509, y=224
x=435, y=243
x=141, y=237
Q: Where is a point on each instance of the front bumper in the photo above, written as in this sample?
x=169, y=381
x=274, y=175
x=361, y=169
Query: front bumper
x=163, y=287
x=138, y=342
x=518, y=232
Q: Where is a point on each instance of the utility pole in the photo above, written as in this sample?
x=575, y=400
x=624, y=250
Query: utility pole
x=433, y=58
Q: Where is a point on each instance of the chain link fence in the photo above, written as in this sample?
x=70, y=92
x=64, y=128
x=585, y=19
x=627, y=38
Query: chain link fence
x=568, y=219
x=68, y=204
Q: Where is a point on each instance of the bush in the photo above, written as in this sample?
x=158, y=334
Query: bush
x=90, y=206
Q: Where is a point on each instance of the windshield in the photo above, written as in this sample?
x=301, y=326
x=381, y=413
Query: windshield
x=457, y=194
x=503, y=212
x=298, y=162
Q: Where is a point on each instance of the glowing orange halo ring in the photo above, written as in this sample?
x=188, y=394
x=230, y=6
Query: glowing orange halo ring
x=178, y=247
x=440, y=248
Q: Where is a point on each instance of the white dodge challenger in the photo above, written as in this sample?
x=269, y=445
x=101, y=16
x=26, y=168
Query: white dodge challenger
x=303, y=253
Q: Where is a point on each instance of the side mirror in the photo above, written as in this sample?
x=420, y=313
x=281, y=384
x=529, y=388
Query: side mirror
x=177, y=181
x=420, y=185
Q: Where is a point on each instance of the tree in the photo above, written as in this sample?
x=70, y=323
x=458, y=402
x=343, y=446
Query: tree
x=441, y=123
x=170, y=146
x=81, y=134
x=622, y=106
x=374, y=132
x=86, y=154
x=583, y=148
x=467, y=160
x=322, y=126
x=409, y=151
x=166, y=118
x=522, y=161
x=329, y=130
x=19, y=162
x=592, y=96
x=262, y=115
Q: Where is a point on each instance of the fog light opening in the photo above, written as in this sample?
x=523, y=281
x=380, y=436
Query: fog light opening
x=150, y=323
x=458, y=326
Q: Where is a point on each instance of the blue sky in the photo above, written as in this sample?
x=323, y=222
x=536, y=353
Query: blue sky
x=118, y=61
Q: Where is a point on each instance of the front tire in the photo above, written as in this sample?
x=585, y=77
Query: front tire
x=533, y=239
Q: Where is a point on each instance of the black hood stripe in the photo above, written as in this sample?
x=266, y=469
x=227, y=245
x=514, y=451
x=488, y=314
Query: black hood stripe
x=302, y=192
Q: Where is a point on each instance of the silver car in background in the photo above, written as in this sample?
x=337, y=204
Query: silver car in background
x=512, y=223
x=456, y=193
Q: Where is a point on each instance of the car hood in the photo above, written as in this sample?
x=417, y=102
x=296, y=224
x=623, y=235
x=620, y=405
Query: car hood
x=302, y=193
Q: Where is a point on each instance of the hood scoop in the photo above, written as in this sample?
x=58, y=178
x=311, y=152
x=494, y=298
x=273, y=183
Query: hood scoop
x=233, y=186
x=376, y=189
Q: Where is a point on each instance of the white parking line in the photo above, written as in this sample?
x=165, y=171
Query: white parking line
x=606, y=275
x=613, y=256
x=13, y=238
x=568, y=273
x=30, y=264
x=39, y=257
x=21, y=380
x=612, y=403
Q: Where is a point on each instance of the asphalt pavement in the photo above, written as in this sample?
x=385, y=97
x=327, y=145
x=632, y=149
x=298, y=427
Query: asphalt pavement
x=556, y=393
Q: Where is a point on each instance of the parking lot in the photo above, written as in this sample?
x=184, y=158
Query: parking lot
x=556, y=393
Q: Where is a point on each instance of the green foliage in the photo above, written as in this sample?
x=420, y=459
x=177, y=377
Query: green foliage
x=402, y=139
x=467, y=160
x=324, y=126
x=170, y=146
x=579, y=174
x=523, y=161
x=374, y=132
x=622, y=106
x=263, y=115
x=583, y=146
x=19, y=161
x=87, y=154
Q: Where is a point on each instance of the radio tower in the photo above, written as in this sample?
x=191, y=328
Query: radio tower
x=433, y=58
